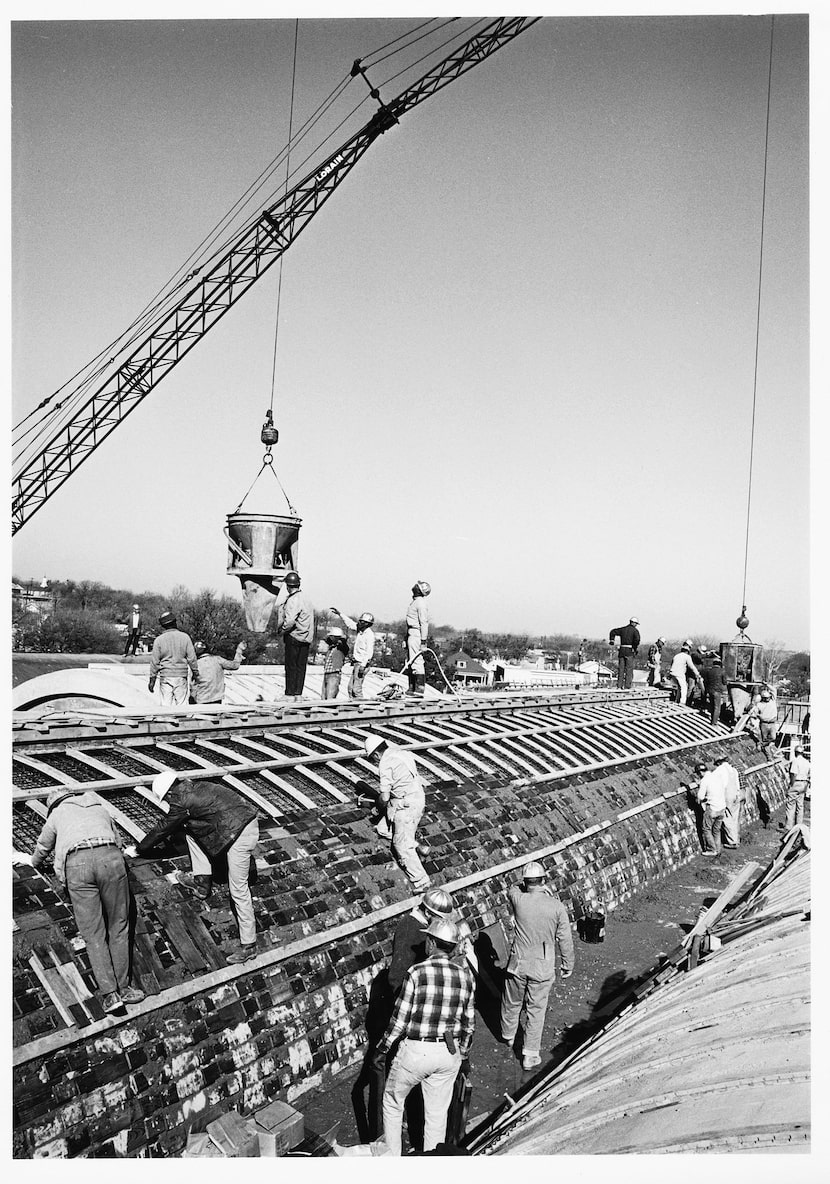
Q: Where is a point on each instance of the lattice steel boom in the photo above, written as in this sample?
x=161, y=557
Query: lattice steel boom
x=225, y=280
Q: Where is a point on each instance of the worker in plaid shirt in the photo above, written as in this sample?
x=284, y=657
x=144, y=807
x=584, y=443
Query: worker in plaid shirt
x=435, y=1015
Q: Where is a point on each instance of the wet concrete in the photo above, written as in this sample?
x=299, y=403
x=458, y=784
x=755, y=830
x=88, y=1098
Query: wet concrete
x=637, y=935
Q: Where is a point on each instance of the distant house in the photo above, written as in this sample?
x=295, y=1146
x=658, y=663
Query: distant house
x=33, y=598
x=462, y=667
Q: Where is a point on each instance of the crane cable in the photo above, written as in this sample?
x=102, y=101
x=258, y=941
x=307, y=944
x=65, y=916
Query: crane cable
x=758, y=309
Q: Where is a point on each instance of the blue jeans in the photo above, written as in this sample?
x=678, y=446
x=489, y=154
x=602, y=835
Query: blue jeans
x=96, y=880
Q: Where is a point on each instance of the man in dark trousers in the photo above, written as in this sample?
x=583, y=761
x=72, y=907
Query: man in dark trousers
x=434, y=1019
x=629, y=636
x=89, y=862
x=296, y=624
x=215, y=819
x=716, y=688
x=133, y=631
x=541, y=927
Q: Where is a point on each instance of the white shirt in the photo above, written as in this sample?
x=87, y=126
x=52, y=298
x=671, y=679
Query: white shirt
x=363, y=649
x=732, y=783
x=712, y=790
x=398, y=773
x=417, y=616
x=799, y=769
x=680, y=664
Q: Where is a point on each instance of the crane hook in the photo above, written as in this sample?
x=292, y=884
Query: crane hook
x=269, y=434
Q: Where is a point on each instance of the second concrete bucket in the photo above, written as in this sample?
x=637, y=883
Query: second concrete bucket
x=262, y=550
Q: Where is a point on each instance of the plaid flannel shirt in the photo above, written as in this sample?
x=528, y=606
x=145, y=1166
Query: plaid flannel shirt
x=438, y=996
x=334, y=661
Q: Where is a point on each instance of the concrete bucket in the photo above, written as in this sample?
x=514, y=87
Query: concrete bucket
x=262, y=550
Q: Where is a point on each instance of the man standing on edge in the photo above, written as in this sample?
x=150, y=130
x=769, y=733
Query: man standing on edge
x=211, y=685
x=711, y=794
x=133, y=631
x=214, y=819
x=435, y=1016
x=766, y=713
x=172, y=654
x=402, y=795
x=417, y=636
x=733, y=795
x=541, y=926
x=654, y=654
x=799, y=785
x=89, y=862
x=297, y=628
x=363, y=651
x=629, y=636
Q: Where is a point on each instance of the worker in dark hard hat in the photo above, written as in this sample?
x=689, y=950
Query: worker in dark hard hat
x=337, y=650
x=363, y=650
x=211, y=685
x=417, y=636
x=133, y=631
x=402, y=797
x=629, y=636
x=540, y=928
x=89, y=862
x=716, y=689
x=215, y=820
x=681, y=666
x=434, y=1018
x=296, y=624
x=172, y=655
x=654, y=659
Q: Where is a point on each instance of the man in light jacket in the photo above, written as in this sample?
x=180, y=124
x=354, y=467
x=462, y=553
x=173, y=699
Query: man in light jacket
x=417, y=636
x=402, y=796
x=541, y=931
x=363, y=650
x=296, y=624
x=173, y=654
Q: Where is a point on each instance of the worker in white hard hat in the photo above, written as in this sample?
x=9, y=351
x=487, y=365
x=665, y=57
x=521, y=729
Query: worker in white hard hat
x=541, y=930
x=681, y=666
x=629, y=636
x=211, y=685
x=363, y=650
x=336, y=652
x=402, y=797
x=434, y=1019
x=654, y=657
x=763, y=719
x=133, y=631
x=417, y=636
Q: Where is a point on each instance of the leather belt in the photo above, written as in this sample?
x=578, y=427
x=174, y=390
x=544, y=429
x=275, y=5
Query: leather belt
x=84, y=844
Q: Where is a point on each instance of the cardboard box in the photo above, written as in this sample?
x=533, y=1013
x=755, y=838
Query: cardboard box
x=234, y=1135
x=279, y=1127
x=201, y=1147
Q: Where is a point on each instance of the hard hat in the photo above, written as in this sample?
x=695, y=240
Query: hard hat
x=200, y=647
x=633, y=621
x=798, y=750
x=687, y=645
x=444, y=932
x=372, y=743
x=162, y=783
x=766, y=694
x=423, y=587
x=167, y=618
x=335, y=632
x=292, y=580
x=689, y=642
x=367, y=617
x=135, y=606
x=662, y=639
x=534, y=871
x=57, y=795
x=438, y=902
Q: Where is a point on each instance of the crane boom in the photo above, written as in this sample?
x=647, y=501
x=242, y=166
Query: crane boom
x=225, y=281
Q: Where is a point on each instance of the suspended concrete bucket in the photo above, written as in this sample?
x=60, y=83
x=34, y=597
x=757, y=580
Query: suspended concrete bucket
x=262, y=550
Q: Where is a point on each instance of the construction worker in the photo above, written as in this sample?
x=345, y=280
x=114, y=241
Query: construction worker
x=716, y=688
x=654, y=654
x=764, y=713
x=417, y=636
x=363, y=650
x=211, y=685
x=629, y=636
x=799, y=787
x=711, y=795
x=215, y=819
x=434, y=1018
x=734, y=796
x=133, y=631
x=88, y=861
x=296, y=624
x=402, y=797
x=541, y=926
x=336, y=653
x=172, y=654
x=681, y=665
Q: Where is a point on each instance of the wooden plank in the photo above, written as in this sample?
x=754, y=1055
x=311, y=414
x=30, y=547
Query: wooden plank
x=714, y=911
x=202, y=940
x=181, y=939
x=57, y=991
x=144, y=969
x=164, y=978
x=72, y=977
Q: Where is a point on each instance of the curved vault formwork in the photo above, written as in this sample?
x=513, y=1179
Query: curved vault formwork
x=594, y=784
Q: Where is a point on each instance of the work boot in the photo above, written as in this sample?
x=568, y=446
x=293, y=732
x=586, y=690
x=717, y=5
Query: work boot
x=530, y=1060
x=413, y=682
x=132, y=995
x=200, y=886
x=112, y=1002
x=420, y=684
x=243, y=954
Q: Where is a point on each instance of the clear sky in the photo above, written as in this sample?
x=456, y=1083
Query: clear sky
x=516, y=347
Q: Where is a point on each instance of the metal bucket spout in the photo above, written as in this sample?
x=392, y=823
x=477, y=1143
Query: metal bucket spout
x=262, y=550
